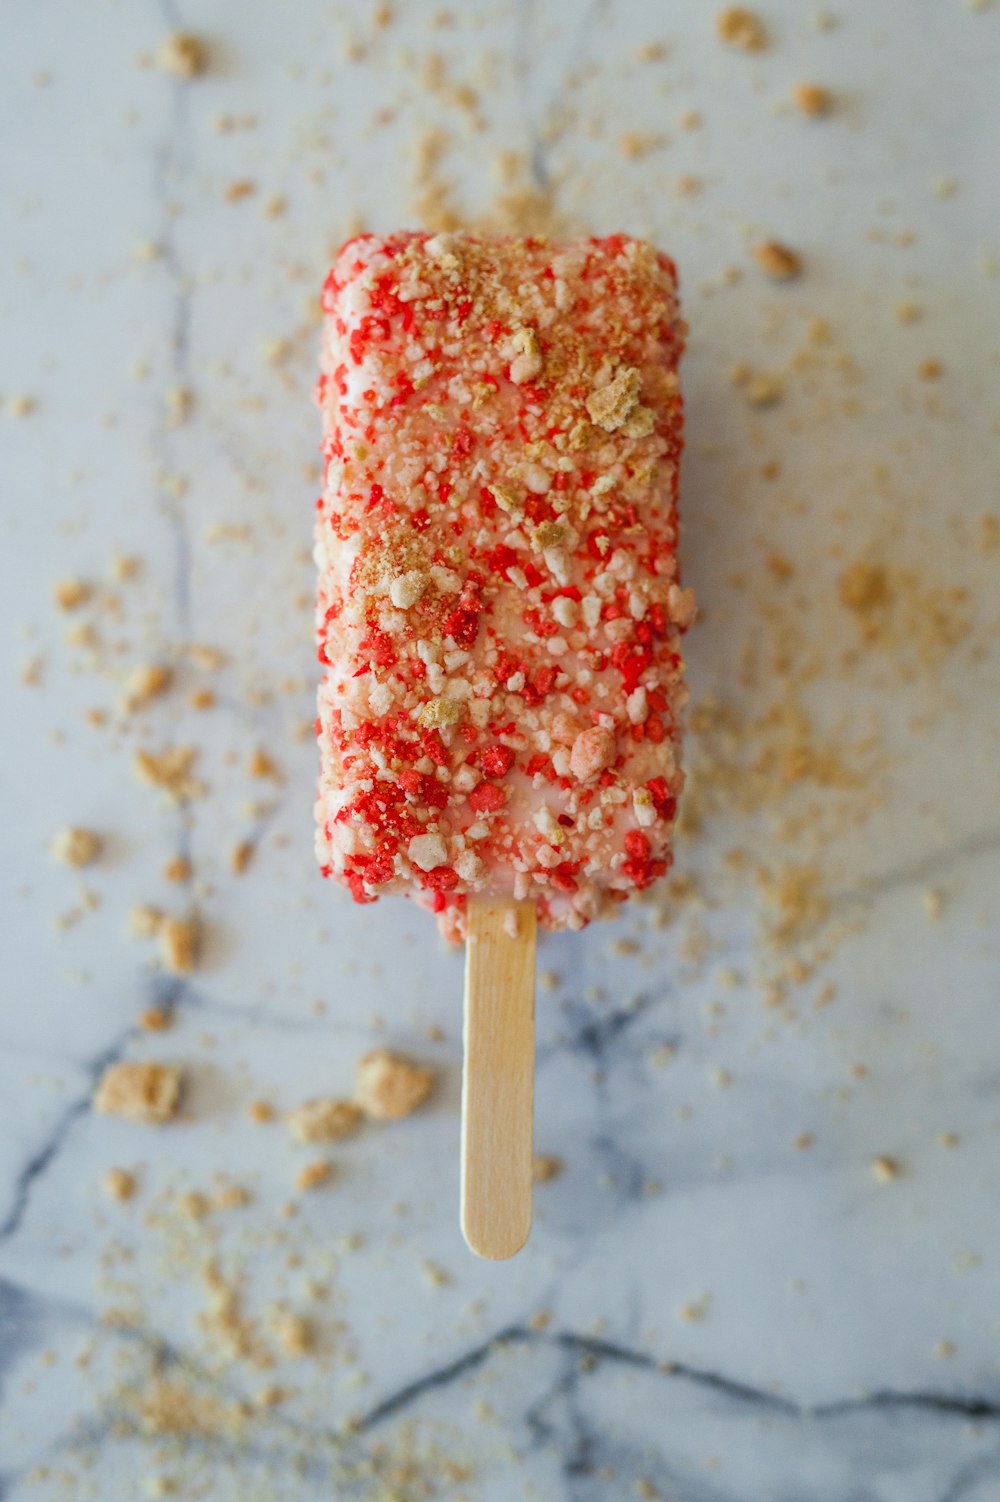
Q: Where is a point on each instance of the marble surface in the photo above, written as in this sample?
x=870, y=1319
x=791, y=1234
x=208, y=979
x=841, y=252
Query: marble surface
x=721, y=1300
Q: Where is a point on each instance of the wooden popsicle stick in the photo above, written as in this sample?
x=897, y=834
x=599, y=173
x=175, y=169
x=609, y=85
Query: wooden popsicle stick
x=498, y=1084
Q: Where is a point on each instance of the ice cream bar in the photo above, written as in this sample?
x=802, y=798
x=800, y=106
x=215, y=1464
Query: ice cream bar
x=499, y=611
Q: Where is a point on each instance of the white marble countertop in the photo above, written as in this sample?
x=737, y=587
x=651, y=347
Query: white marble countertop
x=722, y=1300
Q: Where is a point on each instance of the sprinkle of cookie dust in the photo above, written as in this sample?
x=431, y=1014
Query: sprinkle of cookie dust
x=324, y=1120
x=885, y=1169
x=388, y=1086
x=183, y=54
x=812, y=100
x=170, y=772
x=741, y=28
x=545, y=1167
x=313, y=1175
x=180, y=943
x=119, y=1184
x=148, y=1093
x=778, y=262
x=76, y=847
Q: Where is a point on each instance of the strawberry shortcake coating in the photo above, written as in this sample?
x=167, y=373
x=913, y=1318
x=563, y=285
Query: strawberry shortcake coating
x=499, y=612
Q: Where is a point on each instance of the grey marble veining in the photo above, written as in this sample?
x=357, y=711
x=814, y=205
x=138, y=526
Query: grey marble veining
x=706, y=1310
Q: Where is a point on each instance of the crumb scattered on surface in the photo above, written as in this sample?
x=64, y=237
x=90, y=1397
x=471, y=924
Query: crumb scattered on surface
x=388, y=1086
x=156, y=1019
x=170, y=771
x=324, y=1120
x=778, y=262
x=183, y=54
x=885, y=1169
x=144, y=921
x=240, y=857
x=145, y=683
x=812, y=99
x=741, y=28
x=179, y=944
x=143, y=1092
x=178, y=869
x=77, y=847
x=314, y=1175
x=70, y=594
x=545, y=1167
x=119, y=1184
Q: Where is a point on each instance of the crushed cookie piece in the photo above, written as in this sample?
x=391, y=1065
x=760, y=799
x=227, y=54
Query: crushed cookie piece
x=540, y=1320
x=812, y=99
x=764, y=390
x=179, y=944
x=144, y=1092
x=70, y=594
x=240, y=857
x=261, y=765
x=156, y=1019
x=545, y=1167
x=885, y=1169
x=240, y=189
x=76, y=847
x=145, y=683
x=930, y=370
x=324, y=1120
x=610, y=406
x=314, y=1175
x=777, y=261
x=144, y=921
x=741, y=28
x=178, y=869
x=295, y=1335
x=22, y=405
x=170, y=771
x=260, y=1112
x=118, y=1184
x=388, y=1086
x=184, y=54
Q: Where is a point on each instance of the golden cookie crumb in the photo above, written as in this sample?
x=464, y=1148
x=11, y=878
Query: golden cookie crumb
x=777, y=261
x=540, y=1320
x=313, y=1175
x=119, y=1184
x=260, y=1112
x=388, y=1086
x=324, y=1120
x=156, y=1020
x=70, y=594
x=144, y=921
x=545, y=1167
x=179, y=943
x=764, y=390
x=885, y=1169
x=76, y=847
x=295, y=1334
x=170, y=771
x=178, y=869
x=812, y=99
x=147, y=1093
x=240, y=857
x=202, y=698
x=22, y=405
x=145, y=683
x=930, y=370
x=184, y=54
x=741, y=28
x=231, y=1197
x=262, y=765
x=241, y=188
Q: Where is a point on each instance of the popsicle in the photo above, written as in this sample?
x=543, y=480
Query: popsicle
x=499, y=611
